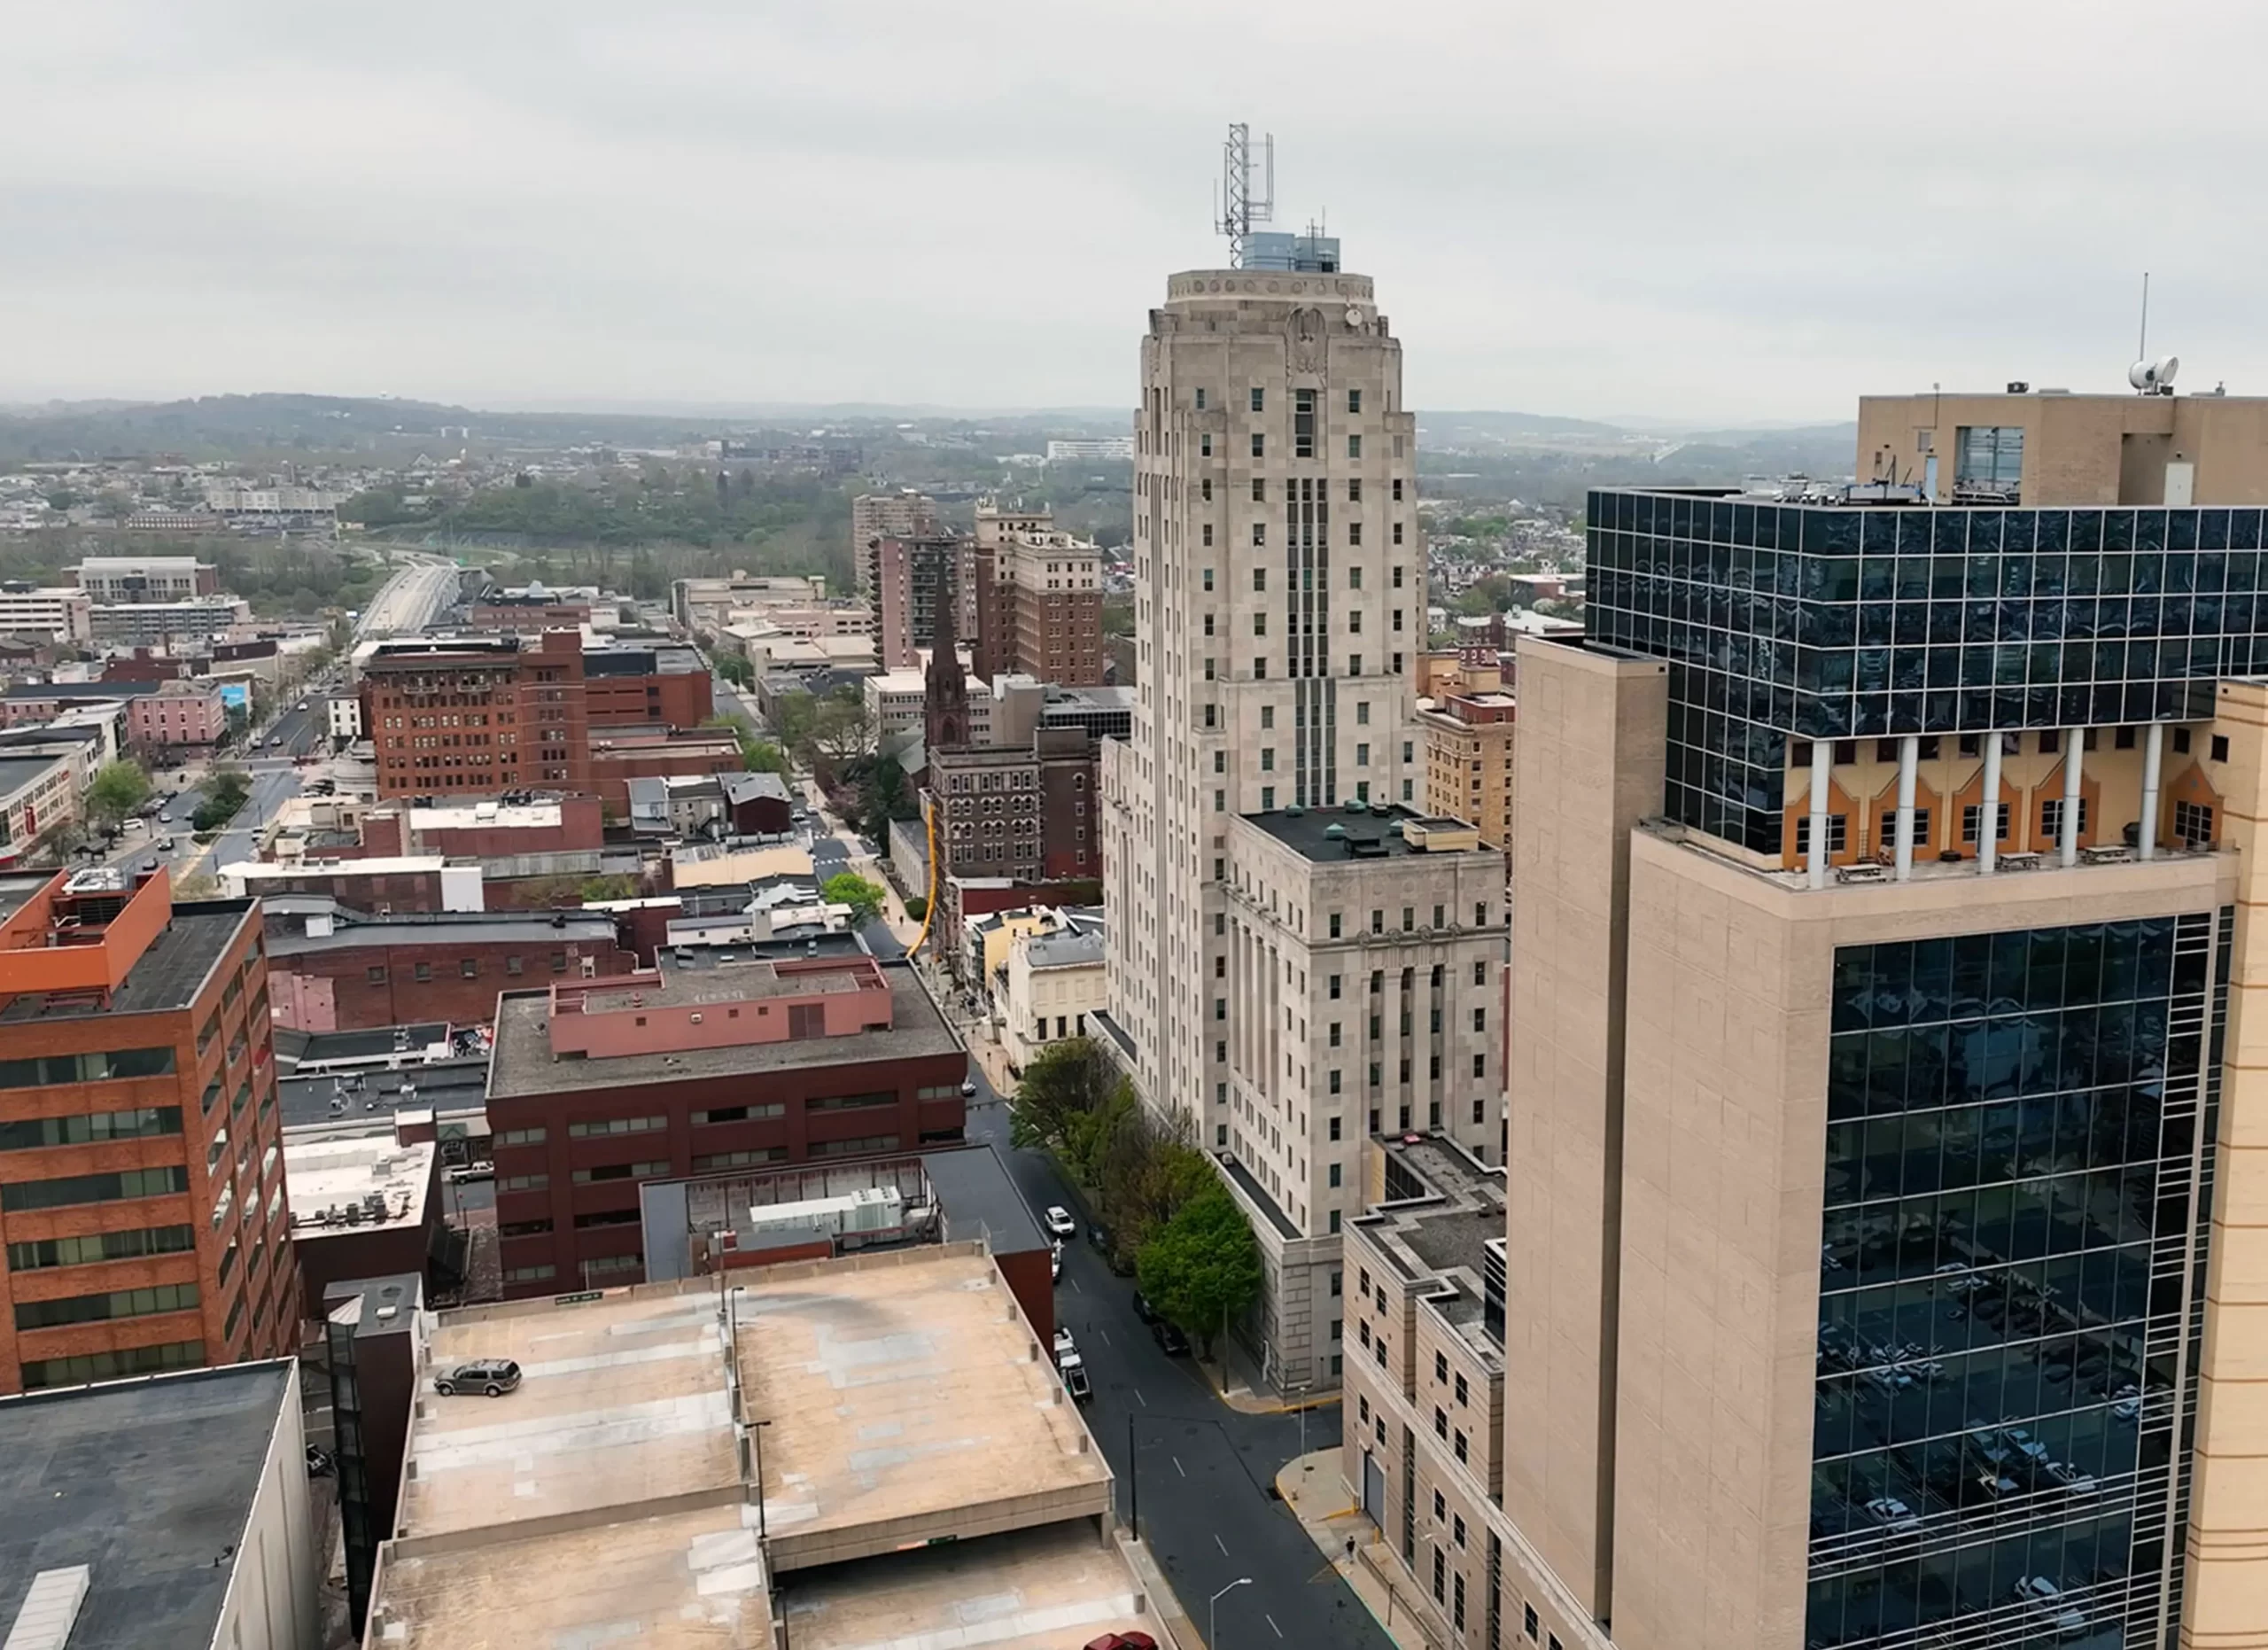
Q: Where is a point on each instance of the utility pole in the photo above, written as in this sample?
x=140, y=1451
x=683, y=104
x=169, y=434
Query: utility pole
x=1133, y=1484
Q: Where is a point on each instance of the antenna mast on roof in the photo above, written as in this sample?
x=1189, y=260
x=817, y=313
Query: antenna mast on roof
x=1248, y=188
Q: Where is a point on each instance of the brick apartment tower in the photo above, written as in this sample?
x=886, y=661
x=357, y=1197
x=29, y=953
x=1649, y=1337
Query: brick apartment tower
x=141, y=1159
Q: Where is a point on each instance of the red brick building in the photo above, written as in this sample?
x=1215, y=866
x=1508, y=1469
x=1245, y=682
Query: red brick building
x=340, y=971
x=141, y=1160
x=624, y=754
x=647, y=687
x=478, y=714
x=689, y=1070
x=180, y=715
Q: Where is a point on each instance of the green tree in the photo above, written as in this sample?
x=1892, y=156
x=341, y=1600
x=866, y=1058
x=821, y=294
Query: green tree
x=793, y=720
x=883, y=796
x=758, y=755
x=1149, y=1173
x=119, y=789
x=735, y=669
x=848, y=888
x=225, y=789
x=1064, y=1080
x=917, y=908
x=843, y=730
x=616, y=886
x=1203, y=1267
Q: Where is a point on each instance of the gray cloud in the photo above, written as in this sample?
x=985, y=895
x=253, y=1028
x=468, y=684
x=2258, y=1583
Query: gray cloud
x=1756, y=208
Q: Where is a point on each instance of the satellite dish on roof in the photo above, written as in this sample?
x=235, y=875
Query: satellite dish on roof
x=2154, y=378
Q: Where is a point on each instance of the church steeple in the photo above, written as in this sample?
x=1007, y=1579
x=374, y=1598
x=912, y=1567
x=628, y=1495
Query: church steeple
x=945, y=709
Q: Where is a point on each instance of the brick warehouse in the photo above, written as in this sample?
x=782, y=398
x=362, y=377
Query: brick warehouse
x=141, y=1158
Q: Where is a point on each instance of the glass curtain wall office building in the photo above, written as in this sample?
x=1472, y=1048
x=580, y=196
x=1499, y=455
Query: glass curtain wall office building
x=2020, y=1154
x=1788, y=622
x=2012, y=1102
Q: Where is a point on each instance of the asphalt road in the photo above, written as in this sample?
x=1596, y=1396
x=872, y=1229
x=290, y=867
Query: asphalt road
x=408, y=600
x=1203, y=1473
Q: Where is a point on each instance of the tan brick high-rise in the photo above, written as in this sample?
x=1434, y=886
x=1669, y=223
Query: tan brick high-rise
x=1279, y=593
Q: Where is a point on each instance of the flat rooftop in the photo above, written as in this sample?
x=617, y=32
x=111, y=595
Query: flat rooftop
x=1310, y=832
x=448, y=928
x=748, y=983
x=622, y=1401
x=1048, y=1589
x=683, y=1581
x=164, y=978
x=485, y=815
x=329, y=1172
x=908, y=1398
x=522, y=1062
x=18, y=771
x=147, y=1482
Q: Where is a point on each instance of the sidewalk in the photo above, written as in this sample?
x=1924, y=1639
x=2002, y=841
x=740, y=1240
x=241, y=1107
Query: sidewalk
x=1349, y=1542
x=1233, y=1391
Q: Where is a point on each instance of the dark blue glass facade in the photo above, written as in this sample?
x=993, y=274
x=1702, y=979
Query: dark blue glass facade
x=2018, y=1174
x=1852, y=621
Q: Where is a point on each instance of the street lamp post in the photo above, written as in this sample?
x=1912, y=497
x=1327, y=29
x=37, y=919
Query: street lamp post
x=1213, y=1611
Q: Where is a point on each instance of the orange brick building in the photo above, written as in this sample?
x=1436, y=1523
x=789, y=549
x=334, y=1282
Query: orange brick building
x=141, y=1213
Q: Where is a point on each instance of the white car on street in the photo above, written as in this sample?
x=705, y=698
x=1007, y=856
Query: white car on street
x=1059, y=1222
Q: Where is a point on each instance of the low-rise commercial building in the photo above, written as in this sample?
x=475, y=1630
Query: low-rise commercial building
x=1050, y=986
x=171, y=1513
x=340, y=970
x=622, y=754
x=140, y=1172
x=365, y=1203
x=698, y=1065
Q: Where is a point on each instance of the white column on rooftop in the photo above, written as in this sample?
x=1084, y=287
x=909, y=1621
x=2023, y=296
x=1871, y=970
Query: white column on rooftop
x=1909, y=762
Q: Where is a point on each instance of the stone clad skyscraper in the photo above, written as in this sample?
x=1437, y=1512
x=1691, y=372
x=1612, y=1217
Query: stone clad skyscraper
x=1279, y=589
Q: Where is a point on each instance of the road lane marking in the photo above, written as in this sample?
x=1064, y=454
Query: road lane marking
x=1104, y=1333
x=1139, y=1398
x=1220, y=1544
x=1178, y=1467
x=1271, y=1623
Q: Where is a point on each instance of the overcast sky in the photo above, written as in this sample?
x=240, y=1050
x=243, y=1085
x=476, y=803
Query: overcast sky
x=1735, y=210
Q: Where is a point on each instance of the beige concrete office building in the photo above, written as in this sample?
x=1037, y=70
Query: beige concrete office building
x=1279, y=595
x=1882, y=1259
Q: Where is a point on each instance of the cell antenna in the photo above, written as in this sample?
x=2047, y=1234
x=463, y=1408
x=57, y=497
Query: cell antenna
x=2142, y=349
x=1248, y=188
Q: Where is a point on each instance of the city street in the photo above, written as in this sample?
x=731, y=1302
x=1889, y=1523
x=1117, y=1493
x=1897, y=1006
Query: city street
x=1203, y=1473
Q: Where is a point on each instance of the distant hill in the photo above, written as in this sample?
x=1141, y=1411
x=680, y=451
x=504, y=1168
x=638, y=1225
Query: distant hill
x=1505, y=425
x=1823, y=450
x=247, y=427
